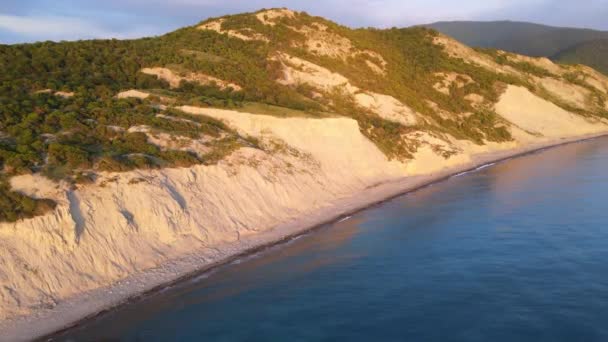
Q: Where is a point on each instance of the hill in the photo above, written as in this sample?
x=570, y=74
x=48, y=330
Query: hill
x=593, y=53
x=72, y=109
x=121, y=156
x=518, y=37
x=528, y=39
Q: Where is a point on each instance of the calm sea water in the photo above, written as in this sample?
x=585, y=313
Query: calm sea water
x=514, y=252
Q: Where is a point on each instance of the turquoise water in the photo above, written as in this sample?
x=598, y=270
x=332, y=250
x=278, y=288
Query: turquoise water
x=515, y=252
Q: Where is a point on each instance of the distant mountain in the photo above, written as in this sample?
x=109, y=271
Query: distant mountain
x=532, y=39
x=593, y=53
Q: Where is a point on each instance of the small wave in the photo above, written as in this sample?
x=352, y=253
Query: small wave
x=246, y=258
x=484, y=166
x=461, y=174
x=475, y=170
x=295, y=238
x=344, y=219
x=267, y=250
x=166, y=288
x=203, y=276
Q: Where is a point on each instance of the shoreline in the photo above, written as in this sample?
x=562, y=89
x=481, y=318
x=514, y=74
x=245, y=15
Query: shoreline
x=70, y=313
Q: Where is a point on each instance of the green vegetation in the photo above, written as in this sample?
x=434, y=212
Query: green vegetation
x=519, y=37
x=593, y=54
x=71, y=138
x=283, y=112
x=505, y=58
x=412, y=57
x=387, y=135
x=566, y=45
x=15, y=206
x=62, y=137
x=597, y=98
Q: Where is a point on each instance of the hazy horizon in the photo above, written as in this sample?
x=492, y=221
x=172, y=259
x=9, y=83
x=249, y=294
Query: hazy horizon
x=40, y=20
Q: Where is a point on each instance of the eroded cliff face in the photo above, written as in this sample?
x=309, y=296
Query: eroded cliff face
x=131, y=221
x=128, y=222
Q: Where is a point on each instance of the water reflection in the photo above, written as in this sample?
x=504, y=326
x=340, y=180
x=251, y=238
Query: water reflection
x=508, y=180
x=291, y=260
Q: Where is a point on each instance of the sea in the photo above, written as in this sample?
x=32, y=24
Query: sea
x=515, y=251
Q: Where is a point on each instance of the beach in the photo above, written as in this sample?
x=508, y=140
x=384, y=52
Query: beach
x=70, y=312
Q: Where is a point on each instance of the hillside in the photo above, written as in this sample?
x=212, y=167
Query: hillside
x=120, y=156
x=530, y=39
x=593, y=53
x=518, y=37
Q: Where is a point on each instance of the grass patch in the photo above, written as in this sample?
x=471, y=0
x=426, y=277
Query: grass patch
x=281, y=112
x=15, y=206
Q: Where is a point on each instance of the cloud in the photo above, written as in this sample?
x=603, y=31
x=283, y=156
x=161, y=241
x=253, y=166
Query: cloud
x=382, y=13
x=28, y=20
x=62, y=28
x=379, y=13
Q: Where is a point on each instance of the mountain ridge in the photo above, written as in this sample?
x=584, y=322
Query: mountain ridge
x=526, y=38
x=592, y=53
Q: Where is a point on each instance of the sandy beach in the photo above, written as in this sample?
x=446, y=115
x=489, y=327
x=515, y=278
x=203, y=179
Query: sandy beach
x=70, y=312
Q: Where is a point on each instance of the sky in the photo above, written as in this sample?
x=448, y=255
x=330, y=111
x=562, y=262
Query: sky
x=39, y=20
